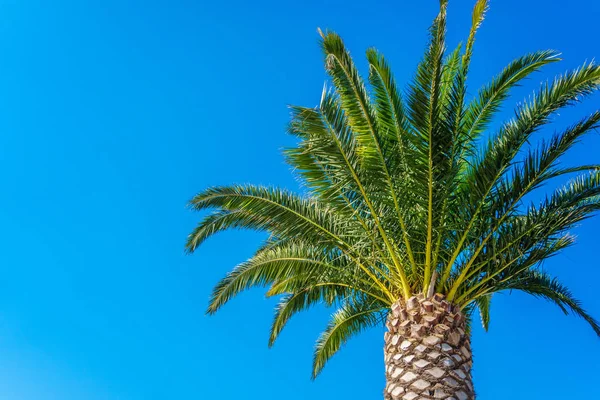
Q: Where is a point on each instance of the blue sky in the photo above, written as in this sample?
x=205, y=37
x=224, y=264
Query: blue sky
x=114, y=113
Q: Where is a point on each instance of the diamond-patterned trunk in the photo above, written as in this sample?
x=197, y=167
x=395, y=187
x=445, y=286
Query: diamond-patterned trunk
x=427, y=351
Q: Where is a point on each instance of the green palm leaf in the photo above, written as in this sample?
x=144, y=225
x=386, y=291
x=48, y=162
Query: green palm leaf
x=350, y=319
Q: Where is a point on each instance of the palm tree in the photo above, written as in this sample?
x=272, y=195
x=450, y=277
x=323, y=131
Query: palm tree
x=414, y=213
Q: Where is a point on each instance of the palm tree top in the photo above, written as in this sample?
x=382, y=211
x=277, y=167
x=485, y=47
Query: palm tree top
x=412, y=193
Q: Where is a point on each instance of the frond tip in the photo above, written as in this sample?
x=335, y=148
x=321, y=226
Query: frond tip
x=349, y=320
x=540, y=284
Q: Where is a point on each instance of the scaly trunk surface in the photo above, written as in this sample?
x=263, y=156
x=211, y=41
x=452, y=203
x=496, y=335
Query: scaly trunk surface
x=427, y=351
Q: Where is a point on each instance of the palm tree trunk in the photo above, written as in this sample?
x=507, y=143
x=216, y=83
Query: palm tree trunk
x=427, y=351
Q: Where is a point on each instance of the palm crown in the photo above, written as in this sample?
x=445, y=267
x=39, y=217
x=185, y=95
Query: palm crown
x=409, y=193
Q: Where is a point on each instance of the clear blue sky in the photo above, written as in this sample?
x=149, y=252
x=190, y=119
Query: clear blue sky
x=114, y=113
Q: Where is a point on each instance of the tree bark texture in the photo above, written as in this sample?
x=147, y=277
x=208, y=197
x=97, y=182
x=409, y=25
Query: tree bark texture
x=427, y=351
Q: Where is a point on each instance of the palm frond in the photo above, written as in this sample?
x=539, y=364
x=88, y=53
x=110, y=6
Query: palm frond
x=540, y=284
x=489, y=99
x=267, y=267
x=350, y=319
x=483, y=304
